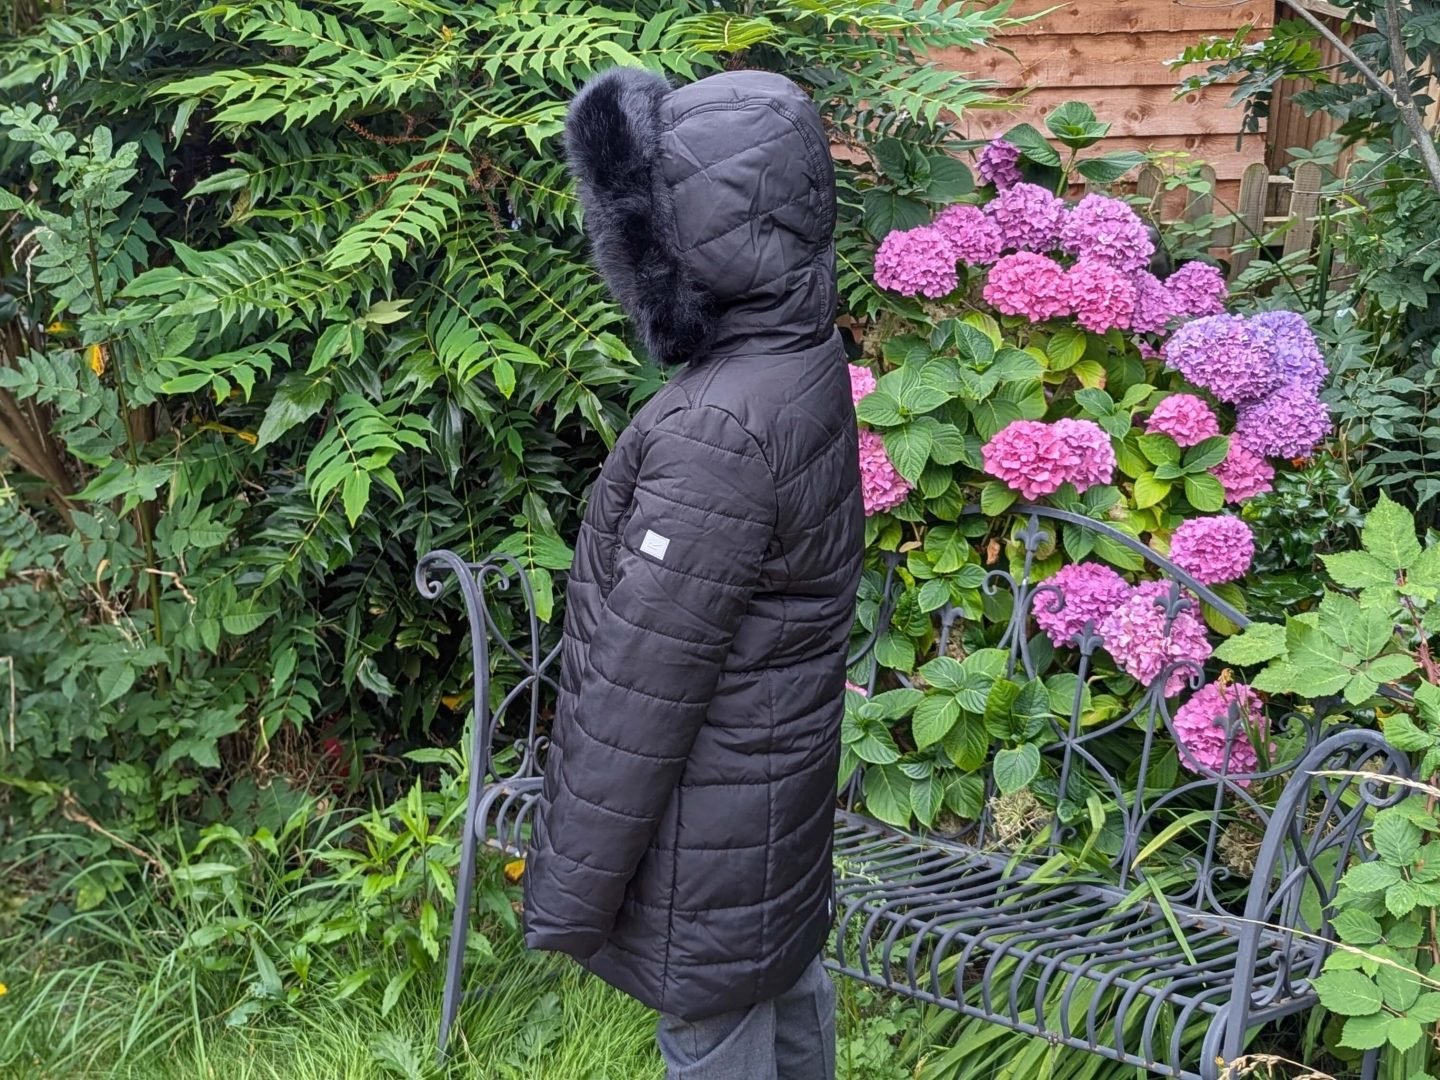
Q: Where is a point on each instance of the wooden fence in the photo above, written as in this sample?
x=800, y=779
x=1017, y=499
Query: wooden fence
x=1266, y=203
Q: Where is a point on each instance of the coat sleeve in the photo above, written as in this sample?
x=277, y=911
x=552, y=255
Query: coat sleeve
x=702, y=518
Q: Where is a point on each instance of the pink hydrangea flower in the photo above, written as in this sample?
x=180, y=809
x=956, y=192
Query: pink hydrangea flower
x=1029, y=218
x=999, y=164
x=916, y=262
x=1154, y=306
x=1290, y=423
x=1102, y=296
x=1088, y=592
x=1293, y=348
x=862, y=382
x=1214, y=729
x=1225, y=356
x=1185, y=418
x=1030, y=285
x=1197, y=289
x=1213, y=549
x=1106, y=230
x=974, y=238
x=1145, y=641
x=1243, y=474
x=883, y=488
x=1036, y=458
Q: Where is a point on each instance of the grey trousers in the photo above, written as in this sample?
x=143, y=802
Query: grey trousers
x=791, y=1037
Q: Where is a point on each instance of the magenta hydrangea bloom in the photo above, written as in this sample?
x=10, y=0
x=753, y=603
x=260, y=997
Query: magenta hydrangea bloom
x=1243, y=474
x=1103, y=297
x=1034, y=286
x=1094, y=454
x=999, y=164
x=1290, y=423
x=1214, y=730
x=1185, y=418
x=1145, y=641
x=1036, y=458
x=974, y=238
x=862, y=382
x=1293, y=348
x=1029, y=218
x=916, y=262
x=883, y=487
x=1213, y=550
x=1154, y=306
x=1088, y=592
x=1197, y=289
x=1225, y=356
x=1107, y=230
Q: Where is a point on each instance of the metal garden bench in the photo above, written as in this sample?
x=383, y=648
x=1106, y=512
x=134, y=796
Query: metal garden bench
x=1177, y=903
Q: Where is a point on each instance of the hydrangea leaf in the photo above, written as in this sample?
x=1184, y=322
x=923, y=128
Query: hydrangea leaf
x=1015, y=768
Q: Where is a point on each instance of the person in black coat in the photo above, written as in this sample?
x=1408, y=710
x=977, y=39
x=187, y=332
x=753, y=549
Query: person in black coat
x=682, y=846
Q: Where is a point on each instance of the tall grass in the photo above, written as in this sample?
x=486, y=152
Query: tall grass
x=123, y=1011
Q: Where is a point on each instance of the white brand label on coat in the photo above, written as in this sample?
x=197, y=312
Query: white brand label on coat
x=655, y=545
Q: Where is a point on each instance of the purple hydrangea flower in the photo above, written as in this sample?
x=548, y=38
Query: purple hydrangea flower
x=1102, y=296
x=1290, y=423
x=1145, y=641
x=882, y=487
x=1197, y=289
x=1185, y=418
x=1225, y=356
x=916, y=262
x=1154, y=306
x=1029, y=218
x=1088, y=592
x=1213, y=550
x=1034, y=286
x=1243, y=474
x=1102, y=229
x=999, y=164
x=974, y=238
x=1293, y=348
x=1036, y=458
x=1211, y=740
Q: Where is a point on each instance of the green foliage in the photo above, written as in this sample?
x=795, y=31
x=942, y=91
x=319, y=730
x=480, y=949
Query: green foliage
x=1375, y=634
x=1370, y=284
x=298, y=293
x=1369, y=639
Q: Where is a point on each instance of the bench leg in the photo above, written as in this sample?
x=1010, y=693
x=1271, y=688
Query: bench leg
x=1370, y=1065
x=460, y=926
x=1210, y=1056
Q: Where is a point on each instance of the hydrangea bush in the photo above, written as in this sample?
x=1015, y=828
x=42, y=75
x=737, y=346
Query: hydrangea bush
x=1028, y=351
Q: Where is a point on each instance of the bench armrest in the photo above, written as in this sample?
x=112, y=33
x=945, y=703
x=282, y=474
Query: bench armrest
x=1315, y=833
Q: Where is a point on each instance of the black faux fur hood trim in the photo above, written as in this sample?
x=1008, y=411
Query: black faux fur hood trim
x=612, y=138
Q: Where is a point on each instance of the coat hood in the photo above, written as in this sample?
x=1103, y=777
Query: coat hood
x=711, y=209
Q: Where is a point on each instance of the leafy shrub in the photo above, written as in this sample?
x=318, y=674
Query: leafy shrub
x=1370, y=640
x=297, y=293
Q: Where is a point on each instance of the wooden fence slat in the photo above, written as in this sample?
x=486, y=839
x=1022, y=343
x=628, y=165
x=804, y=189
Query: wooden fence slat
x=1150, y=185
x=1304, y=201
x=1254, y=186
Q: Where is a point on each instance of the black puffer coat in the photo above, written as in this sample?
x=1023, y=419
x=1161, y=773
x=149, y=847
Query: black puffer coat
x=683, y=844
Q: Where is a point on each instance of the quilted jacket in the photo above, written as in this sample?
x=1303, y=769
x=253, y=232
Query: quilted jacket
x=682, y=849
